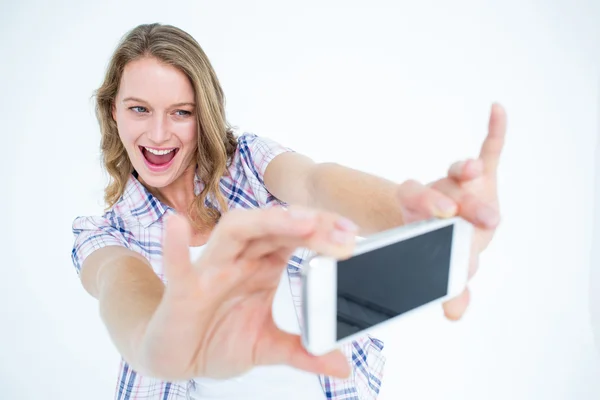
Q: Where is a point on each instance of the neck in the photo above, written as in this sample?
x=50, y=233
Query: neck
x=180, y=193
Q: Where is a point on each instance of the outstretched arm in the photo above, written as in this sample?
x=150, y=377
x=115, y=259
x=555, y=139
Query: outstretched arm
x=375, y=204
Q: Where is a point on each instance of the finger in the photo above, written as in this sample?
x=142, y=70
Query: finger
x=493, y=144
x=285, y=348
x=335, y=236
x=473, y=262
x=176, y=253
x=242, y=225
x=239, y=226
x=331, y=364
x=419, y=202
x=470, y=207
x=455, y=308
x=264, y=257
x=467, y=170
x=271, y=246
x=332, y=235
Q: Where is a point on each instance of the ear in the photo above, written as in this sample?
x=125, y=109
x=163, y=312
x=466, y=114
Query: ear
x=114, y=111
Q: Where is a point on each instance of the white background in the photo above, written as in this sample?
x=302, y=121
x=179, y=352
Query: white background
x=400, y=90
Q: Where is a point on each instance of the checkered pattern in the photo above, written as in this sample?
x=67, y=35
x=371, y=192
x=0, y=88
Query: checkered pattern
x=136, y=222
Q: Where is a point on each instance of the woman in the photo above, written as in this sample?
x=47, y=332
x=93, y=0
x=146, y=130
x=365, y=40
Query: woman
x=192, y=316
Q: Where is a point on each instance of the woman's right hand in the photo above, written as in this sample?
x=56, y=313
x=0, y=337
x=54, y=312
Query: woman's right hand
x=214, y=319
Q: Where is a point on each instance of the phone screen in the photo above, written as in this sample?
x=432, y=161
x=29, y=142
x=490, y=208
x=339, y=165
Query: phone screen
x=384, y=283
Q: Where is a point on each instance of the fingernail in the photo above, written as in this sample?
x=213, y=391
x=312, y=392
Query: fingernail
x=445, y=206
x=346, y=225
x=301, y=213
x=457, y=168
x=487, y=216
x=341, y=237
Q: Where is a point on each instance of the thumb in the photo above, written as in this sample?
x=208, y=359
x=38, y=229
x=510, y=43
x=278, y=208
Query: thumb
x=420, y=202
x=176, y=253
x=286, y=348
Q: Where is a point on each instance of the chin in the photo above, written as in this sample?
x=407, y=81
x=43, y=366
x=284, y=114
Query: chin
x=159, y=183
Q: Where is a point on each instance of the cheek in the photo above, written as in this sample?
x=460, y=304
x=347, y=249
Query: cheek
x=129, y=131
x=188, y=134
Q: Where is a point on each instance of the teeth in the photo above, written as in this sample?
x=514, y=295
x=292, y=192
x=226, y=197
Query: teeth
x=158, y=152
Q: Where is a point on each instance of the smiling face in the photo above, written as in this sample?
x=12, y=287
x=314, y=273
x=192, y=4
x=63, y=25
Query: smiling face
x=155, y=114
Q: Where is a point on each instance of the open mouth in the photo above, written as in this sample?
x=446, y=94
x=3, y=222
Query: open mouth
x=158, y=158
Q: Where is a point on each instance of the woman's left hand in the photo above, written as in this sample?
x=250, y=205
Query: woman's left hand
x=470, y=191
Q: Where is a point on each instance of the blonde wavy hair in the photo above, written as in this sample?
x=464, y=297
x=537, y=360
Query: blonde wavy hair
x=216, y=141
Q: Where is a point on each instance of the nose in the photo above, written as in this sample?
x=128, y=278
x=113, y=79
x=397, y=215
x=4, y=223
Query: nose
x=159, y=129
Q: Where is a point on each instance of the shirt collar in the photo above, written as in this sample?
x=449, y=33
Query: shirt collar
x=140, y=204
x=143, y=206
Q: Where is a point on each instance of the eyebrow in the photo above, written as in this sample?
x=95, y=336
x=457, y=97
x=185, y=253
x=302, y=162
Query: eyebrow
x=145, y=102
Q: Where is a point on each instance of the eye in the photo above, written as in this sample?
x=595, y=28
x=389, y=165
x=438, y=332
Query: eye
x=183, y=113
x=138, y=109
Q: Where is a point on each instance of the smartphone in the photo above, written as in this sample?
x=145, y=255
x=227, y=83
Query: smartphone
x=389, y=275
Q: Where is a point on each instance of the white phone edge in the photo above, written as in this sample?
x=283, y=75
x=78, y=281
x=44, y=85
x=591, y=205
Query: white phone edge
x=319, y=276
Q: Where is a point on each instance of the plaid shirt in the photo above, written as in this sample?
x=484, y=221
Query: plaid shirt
x=136, y=222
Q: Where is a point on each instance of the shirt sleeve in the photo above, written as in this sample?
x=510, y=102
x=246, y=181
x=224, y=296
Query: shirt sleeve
x=93, y=233
x=255, y=155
